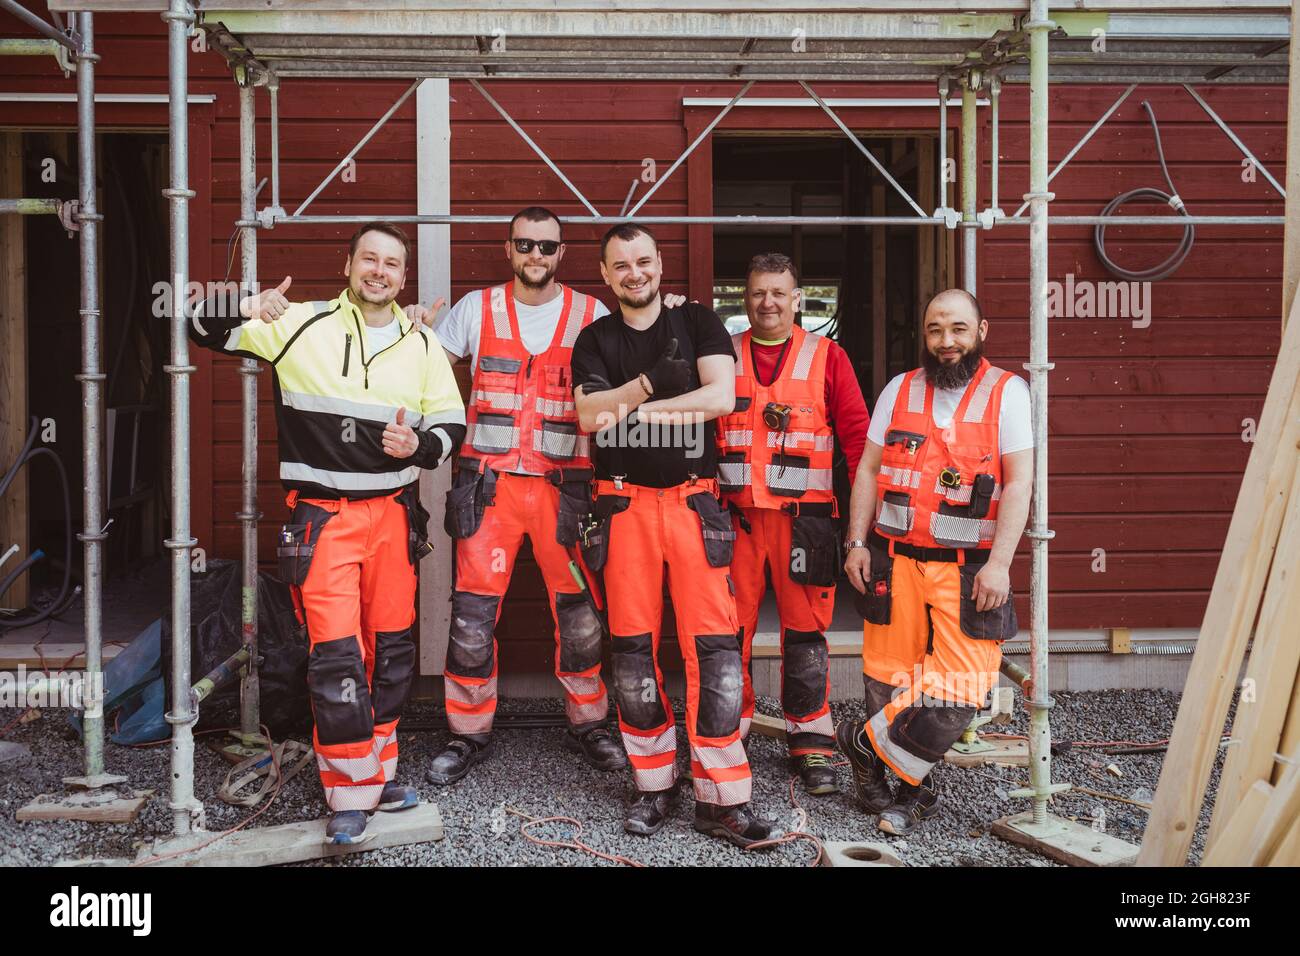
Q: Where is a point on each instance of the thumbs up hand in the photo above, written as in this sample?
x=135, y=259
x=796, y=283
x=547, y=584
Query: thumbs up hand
x=418, y=313
x=399, y=439
x=267, y=306
x=670, y=375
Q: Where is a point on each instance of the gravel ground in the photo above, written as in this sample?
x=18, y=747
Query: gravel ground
x=531, y=772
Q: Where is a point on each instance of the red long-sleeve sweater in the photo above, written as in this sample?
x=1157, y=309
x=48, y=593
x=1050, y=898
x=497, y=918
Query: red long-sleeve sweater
x=844, y=402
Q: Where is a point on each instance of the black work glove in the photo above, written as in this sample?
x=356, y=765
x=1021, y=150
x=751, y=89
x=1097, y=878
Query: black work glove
x=670, y=375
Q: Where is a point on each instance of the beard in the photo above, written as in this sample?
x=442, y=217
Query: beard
x=521, y=274
x=956, y=374
x=373, y=298
x=646, y=296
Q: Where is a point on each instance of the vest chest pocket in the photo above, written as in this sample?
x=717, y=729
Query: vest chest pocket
x=787, y=475
x=734, y=430
x=495, y=385
x=733, y=472
x=495, y=434
x=896, y=513
x=559, y=439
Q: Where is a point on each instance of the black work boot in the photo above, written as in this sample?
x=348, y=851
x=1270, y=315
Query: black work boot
x=816, y=772
x=869, y=782
x=910, y=807
x=734, y=824
x=598, y=747
x=649, y=810
x=456, y=760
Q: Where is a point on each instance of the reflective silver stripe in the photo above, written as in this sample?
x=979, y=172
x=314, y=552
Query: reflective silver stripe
x=469, y=694
x=650, y=745
x=822, y=725
x=348, y=480
x=909, y=763
x=903, y=477
x=555, y=444
x=980, y=399
x=368, y=411
x=500, y=317
x=916, y=393
x=654, y=778
x=505, y=401
x=733, y=473
x=447, y=443
x=798, y=479
x=894, y=518
x=491, y=438
x=961, y=494
x=801, y=440
x=382, y=742
x=577, y=307
x=353, y=798
x=716, y=758
x=390, y=768
x=954, y=531
x=804, y=360
x=448, y=416
x=728, y=793
x=745, y=724
x=741, y=437
x=737, y=345
x=354, y=768
x=547, y=406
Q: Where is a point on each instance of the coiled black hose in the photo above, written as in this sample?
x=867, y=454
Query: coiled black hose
x=1148, y=193
x=59, y=604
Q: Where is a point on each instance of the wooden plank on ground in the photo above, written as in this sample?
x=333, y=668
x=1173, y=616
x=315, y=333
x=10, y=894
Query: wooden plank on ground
x=1226, y=849
x=91, y=806
x=53, y=656
x=1234, y=602
x=1067, y=842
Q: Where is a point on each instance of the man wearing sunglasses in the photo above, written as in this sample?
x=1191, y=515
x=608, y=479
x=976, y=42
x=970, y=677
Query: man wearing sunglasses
x=524, y=470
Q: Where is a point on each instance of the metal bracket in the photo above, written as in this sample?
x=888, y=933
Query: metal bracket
x=951, y=217
x=989, y=216
x=70, y=216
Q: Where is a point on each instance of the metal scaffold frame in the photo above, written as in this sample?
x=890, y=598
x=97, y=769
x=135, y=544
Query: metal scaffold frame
x=973, y=46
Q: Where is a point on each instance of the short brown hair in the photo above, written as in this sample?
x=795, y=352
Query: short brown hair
x=388, y=229
x=627, y=231
x=772, y=263
x=534, y=214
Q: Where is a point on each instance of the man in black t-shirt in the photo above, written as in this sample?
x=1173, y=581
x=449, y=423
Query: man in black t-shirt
x=650, y=381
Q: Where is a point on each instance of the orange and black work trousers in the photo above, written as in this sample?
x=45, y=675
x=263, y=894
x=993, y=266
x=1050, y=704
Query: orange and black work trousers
x=357, y=589
x=683, y=533
x=521, y=505
x=805, y=613
x=929, y=657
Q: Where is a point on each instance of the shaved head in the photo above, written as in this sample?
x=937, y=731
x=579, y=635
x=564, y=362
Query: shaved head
x=953, y=328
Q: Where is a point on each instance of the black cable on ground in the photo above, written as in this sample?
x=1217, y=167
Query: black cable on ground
x=1148, y=194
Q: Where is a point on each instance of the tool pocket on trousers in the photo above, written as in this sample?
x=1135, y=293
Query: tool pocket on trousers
x=715, y=527
x=595, y=535
x=815, y=557
x=298, y=539
x=464, y=505
x=876, y=605
x=494, y=434
x=733, y=472
x=417, y=525
x=996, y=624
x=896, y=513
x=559, y=439
x=574, y=510
x=788, y=475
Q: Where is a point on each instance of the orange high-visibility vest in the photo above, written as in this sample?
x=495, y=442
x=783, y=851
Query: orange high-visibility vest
x=927, y=474
x=761, y=467
x=521, y=416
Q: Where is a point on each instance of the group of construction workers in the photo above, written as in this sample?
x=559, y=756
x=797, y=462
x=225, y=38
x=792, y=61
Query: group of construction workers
x=643, y=452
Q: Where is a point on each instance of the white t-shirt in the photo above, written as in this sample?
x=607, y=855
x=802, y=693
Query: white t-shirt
x=1015, y=425
x=379, y=337
x=459, y=331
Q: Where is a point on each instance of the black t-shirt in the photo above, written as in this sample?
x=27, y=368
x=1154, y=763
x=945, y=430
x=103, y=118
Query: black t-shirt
x=609, y=353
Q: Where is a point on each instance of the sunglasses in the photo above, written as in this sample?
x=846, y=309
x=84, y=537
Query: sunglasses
x=548, y=247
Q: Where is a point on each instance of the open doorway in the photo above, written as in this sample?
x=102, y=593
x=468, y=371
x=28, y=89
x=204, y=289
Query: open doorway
x=44, y=336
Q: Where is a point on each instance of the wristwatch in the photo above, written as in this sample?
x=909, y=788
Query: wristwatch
x=851, y=543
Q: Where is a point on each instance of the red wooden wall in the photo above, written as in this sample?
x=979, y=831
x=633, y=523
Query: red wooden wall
x=1146, y=424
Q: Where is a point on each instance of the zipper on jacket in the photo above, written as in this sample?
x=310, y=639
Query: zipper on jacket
x=347, y=354
x=528, y=372
x=365, y=365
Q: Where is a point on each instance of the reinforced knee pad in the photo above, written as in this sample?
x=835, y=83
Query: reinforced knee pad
x=473, y=619
x=803, y=672
x=394, y=667
x=930, y=726
x=878, y=694
x=721, y=685
x=635, y=686
x=579, y=633
x=336, y=677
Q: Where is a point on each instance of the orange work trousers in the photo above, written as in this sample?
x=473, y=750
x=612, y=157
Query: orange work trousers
x=659, y=533
x=805, y=613
x=925, y=677
x=523, y=505
x=359, y=601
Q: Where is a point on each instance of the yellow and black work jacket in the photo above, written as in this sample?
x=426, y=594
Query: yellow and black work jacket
x=334, y=395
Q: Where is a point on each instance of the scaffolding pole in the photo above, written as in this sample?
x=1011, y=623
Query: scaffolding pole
x=187, y=813
x=250, y=691
x=969, y=178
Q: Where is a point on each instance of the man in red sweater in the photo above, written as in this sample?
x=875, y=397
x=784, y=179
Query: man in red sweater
x=796, y=393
